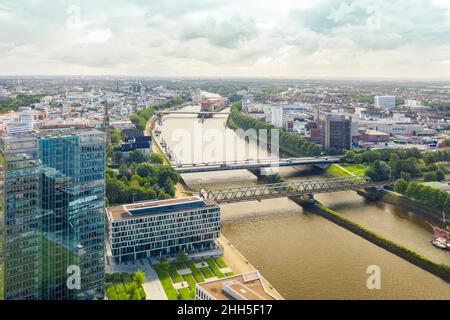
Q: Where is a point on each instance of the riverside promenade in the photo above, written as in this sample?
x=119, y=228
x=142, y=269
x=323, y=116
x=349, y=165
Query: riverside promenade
x=239, y=264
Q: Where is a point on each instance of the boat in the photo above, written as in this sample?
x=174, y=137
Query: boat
x=441, y=237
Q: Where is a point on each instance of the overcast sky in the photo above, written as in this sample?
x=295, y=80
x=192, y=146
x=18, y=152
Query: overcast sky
x=226, y=38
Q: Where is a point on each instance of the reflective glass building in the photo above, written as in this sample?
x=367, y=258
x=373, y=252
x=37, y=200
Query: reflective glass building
x=53, y=197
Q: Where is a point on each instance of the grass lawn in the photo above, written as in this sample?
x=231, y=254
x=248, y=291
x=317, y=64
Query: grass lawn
x=229, y=274
x=120, y=286
x=166, y=282
x=197, y=274
x=190, y=280
x=174, y=274
x=206, y=272
x=214, y=267
x=171, y=276
x=357, y=169
x=337, y=171
x=220, y=262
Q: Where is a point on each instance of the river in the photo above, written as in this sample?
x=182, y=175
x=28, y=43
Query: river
x=301, y=254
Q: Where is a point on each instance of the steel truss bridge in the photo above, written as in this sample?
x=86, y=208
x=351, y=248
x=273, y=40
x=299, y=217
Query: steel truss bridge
x=203, y=113
x=279, y=190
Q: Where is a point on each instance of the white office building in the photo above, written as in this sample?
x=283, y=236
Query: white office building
x=387, y=102
x=162, y=227
x=276, y=116
x=25, y=123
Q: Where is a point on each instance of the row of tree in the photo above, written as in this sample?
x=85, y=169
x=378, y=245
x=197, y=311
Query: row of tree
x=140, y=120
x=293, y=144
x=401, y=163
x=427, y=195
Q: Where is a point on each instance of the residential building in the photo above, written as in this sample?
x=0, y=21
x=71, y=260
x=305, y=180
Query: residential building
x=134, y=139
x=53, y=200
x=246, y=286
x=162, y=227
x=387, y=102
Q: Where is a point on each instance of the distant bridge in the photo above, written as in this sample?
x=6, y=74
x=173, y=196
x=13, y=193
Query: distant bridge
x=280, y=190
x=254, y=164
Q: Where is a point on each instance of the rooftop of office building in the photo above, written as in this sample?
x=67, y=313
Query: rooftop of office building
x=145, y=208
x=246, y=286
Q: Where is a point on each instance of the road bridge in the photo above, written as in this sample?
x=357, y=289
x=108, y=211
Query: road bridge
x=254, y=164
x=280, y=190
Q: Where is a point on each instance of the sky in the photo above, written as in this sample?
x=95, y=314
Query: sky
x=407, y=39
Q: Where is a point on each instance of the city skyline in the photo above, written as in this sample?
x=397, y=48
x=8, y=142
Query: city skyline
x=296, y=39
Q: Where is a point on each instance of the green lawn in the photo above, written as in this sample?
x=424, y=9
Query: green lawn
x=357, y=169
x=174, y=274
x=197, y=274
x=212, y=264
x=220, y=262
x=120, y=286
x=166, y=282
x=171, y=276
x=206, y=272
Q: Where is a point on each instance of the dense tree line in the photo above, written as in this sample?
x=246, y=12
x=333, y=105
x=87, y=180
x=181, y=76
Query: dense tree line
x=137, y=182
x=19, y=101
x=435, y=198
x=291, y=143
x=141, y=118
x=140, y=177
x=401, y=163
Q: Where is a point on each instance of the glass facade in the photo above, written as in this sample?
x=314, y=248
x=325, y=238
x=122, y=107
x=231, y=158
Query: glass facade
x=68, y=221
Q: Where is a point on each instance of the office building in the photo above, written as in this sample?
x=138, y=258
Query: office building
x=162, y=227
x=25, y=123
x=53, y=213
x=337, y=132
x=246, y=286
x=276, y=116
x=387, y=102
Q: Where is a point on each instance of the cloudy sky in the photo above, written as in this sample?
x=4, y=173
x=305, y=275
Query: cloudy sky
x=226, y=38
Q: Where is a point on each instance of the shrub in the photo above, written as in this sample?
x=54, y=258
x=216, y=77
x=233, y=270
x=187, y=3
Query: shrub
x=108, y=277
x=119, y=288
x=122, y=296
x=116, y=277
x=130, y=287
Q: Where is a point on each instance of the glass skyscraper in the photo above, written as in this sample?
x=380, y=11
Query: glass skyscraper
x=53, y=226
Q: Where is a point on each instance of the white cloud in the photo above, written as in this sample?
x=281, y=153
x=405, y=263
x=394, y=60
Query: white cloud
x=227, y=37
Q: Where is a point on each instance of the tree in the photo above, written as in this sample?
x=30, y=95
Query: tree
x=400, y=186
x=138, y=156
x=430, y=176
x=181, y=256
x=145, y=170
x=165, y=264
x=440, y=175
x=139, y=278
x=156, y=158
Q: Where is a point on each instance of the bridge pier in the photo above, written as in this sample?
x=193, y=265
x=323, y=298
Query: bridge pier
x=308, y=198
x=371, y=193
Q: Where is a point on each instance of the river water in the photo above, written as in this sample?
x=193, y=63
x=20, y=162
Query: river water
x=301, y=254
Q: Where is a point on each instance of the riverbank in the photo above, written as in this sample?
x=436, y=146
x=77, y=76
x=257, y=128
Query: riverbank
x=239, y=264
x=440, y=270
x=409, y=204
x=180, y=188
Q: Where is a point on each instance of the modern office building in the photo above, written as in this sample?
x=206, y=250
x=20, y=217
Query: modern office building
x=53, y=197
x=337, y=132
x=162, y=227
x=246, y=286
x=276, y=116
x=387, y=102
